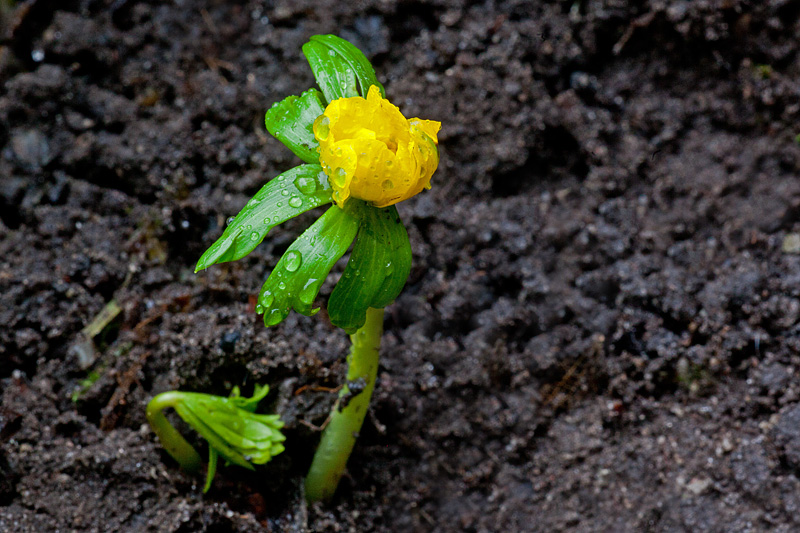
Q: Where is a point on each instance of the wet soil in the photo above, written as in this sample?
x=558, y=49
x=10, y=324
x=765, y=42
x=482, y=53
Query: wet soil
x=601, y=331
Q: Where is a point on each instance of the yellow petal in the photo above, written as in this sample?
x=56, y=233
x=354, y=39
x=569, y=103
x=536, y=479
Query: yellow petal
x=370, y=151
x=428, y=127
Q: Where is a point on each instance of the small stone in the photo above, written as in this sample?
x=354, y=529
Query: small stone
x=84, y=352
x=791, y=243
x=31, y=148
x=228, y=342
x=698, y=486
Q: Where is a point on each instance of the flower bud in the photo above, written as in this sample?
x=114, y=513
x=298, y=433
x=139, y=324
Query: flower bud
x=370, y=151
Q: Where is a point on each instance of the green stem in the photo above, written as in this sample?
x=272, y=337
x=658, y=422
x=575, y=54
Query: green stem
x=171, y=440
x=345, y=422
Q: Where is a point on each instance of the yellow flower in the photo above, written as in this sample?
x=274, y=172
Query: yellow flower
x=369, y=150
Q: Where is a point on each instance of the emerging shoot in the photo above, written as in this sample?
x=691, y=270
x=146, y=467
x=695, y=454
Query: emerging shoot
x=230, y=426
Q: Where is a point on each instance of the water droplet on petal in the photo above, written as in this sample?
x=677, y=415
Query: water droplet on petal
x=323, y=128
x=339, y=177
x=293, y=261
x=295, y=201
x=387, y=184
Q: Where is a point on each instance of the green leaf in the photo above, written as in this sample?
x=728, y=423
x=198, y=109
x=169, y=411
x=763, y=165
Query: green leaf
x=186, y=410
x=230, y=431
x=249, y=404
x=291, y=121
x=377, y=270
x=301, y=271
x=338, y=65
x=284, y=197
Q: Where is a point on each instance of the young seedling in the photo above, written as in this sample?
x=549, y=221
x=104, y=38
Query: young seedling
x=230, y=426
x=363, y=156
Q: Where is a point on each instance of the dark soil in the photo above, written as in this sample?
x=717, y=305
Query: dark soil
x=601, y=331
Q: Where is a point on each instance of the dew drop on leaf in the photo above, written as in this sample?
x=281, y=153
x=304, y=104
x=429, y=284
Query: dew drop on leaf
x=323, y=128
x=273, y=318
x=229, y=221
x=293, y=261
x=295, y=201
x=284, y=192
x=254, y=236
x=308, y=292
x=259, y=309
x=266, y=299
x=305, y=185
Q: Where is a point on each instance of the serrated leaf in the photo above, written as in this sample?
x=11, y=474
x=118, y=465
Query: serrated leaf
x=284, y=197
x=296, y=279
x=338, y=66
x=291, y=122
x=377, y=270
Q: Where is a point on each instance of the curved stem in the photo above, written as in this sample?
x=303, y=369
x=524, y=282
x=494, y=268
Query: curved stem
x=171, y=440
x=349, y=411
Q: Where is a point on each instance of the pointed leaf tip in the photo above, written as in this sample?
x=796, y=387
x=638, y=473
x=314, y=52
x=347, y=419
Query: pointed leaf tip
x=339, y=66
x=285, y=196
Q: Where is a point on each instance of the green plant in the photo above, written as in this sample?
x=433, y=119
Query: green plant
x=84, y=385
x=364, y=156
x=230, y=425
